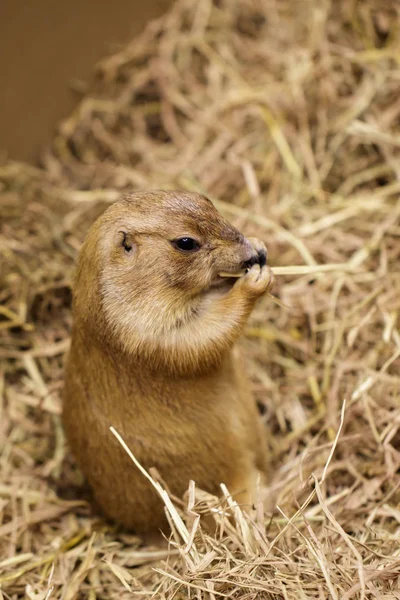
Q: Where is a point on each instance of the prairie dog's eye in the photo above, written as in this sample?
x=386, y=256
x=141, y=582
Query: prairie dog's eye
x=186, y=244
x=125, y=243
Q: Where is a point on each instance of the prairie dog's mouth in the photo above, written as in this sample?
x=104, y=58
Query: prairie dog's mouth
x=226, y=279
x=258, y=258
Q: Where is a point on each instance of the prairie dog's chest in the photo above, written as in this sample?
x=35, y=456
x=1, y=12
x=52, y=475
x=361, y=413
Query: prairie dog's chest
x=154, y=405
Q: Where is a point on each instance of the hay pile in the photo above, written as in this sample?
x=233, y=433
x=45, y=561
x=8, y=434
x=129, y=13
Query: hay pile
x=287, y=114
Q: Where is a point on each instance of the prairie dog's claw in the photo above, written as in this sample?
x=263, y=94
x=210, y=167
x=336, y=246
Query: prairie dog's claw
x=257, y=281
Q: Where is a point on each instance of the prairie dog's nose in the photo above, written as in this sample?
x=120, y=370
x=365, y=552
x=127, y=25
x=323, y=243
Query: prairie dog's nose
x=255, y=257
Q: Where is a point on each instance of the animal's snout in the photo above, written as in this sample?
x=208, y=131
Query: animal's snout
x=258, y=258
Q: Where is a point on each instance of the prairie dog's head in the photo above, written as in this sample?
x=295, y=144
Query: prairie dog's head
x=152, y=255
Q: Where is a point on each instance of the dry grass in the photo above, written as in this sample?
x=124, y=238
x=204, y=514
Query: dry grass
x=287, y=114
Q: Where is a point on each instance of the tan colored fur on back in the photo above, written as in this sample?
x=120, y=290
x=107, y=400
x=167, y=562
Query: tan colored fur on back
x=151, y=355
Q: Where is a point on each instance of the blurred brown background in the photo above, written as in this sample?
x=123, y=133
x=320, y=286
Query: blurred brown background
x=46, y=46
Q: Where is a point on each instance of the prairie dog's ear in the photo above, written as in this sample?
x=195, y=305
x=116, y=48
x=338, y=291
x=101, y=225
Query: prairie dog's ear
x=125, y=241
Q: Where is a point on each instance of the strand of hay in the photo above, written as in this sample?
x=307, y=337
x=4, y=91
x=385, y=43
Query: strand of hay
x=299, y=270
x=289, y=121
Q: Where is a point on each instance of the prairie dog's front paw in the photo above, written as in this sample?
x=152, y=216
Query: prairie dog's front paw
x=257, y=281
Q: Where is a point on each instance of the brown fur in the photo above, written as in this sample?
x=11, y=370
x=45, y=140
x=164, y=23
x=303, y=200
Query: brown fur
x=151, y=354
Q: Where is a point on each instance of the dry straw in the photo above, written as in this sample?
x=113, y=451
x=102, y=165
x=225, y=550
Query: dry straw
x=287, y=115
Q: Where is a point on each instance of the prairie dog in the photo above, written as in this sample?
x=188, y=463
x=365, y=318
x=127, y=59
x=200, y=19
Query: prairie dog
x=151, y=354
